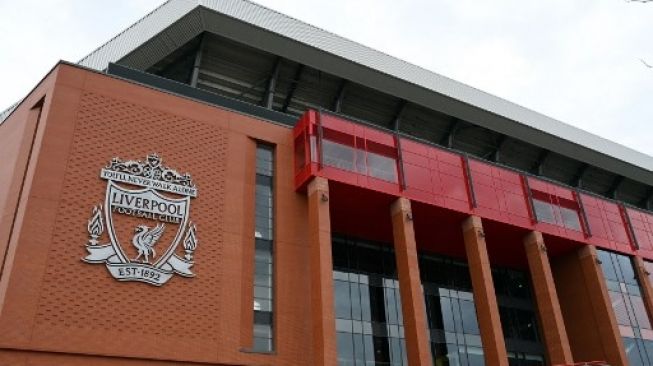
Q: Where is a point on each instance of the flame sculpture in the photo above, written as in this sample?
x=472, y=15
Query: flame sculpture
x=190, y=242
x=95, y=225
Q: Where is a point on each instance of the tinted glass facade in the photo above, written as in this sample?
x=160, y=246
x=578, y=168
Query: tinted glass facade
x=628, y=305
x=454, y=332
x=518, y=317
x=368, y=314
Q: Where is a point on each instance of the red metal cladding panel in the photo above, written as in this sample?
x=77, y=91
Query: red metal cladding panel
x=642, y=223
x=434, y=176
x=360, y=157
x=499, y=194
x=606, y=224
x=304, y=169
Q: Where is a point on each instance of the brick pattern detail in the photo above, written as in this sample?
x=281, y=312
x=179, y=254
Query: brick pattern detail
x=83, y=296
x=410, y=286
x=487, y=309
x=546, y=296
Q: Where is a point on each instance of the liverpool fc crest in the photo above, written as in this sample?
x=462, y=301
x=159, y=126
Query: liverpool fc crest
x=146, y=217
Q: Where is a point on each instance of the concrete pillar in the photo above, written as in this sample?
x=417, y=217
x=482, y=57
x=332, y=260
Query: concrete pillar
x=319, y=226
x=410, y=285
x=487, y=309
x=546, y=296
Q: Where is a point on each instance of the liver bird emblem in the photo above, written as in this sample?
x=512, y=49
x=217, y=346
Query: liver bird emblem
x=145, y=239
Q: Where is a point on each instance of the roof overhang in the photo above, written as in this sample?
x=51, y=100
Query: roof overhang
x=177, y=21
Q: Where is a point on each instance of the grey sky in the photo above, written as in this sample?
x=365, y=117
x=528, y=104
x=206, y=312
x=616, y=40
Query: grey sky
x=577, y=61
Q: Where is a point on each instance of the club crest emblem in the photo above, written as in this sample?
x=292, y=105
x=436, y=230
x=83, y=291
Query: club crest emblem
x=146, y=217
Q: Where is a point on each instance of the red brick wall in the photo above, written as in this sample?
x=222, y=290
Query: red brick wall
x=55, y=302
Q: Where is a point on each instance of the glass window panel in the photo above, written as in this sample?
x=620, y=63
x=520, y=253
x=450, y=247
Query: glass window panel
x=632, y=352
x=381, y=350
x=475, y=356
x=359, y=349
x=447, y=314
x=263, y=280
x=345, y=348
x=395, y=351
x=570, y=218
x=262, y=344
x=468, y=312
x=356, y=310
x=366, y=314
x=262, y=304
x=263, y=248
x=264, y=256
x=544, y=211
x=338, y=155
x=344, y=325
x=382, y=167
x=262, y=331
x=628, y=272
x=263, y=268
x=391, y=305
x=342, y=299
x=619, y=307
x=609, y=271
x=648, y=346
x=639, y=310
x=262, y=292
x=457, y=316
x=369, y=349
x=377, y=302
x=372, y=299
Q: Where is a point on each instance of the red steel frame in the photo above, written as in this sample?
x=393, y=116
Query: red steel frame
x=451, y=180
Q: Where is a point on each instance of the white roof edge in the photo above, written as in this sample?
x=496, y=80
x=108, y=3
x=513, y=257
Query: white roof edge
x=246, y=11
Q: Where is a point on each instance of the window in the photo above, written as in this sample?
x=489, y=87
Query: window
x=263, y=250
x=359, y=156
x=518, y=317
x=625, y=295
x=556, y=211
x=451, y=313
x=369, y=322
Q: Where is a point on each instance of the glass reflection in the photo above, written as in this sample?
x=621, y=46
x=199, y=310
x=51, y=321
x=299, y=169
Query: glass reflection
x=369, y=323
x=628, y=306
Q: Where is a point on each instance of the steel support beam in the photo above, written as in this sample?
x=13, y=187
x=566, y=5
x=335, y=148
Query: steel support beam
x=614, y=189
x=495, y=155
x=198, y=60
x=450, y=136
x=293, y=87
x=268, y=97
x=340, y=97
x=577, y=181
x=401, y=108
x=538, y=167
x=647, y=202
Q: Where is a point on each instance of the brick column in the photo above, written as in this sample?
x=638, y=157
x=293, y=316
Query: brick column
x=319, y=228
x=606, y=326
x=487, y=310
x=645, y=284
x=410, y=285
x=550, y=315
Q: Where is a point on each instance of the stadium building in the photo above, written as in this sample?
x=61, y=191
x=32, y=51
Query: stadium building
x=222, y=184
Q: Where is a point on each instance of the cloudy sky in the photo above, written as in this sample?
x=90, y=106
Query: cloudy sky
x=580, y=61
